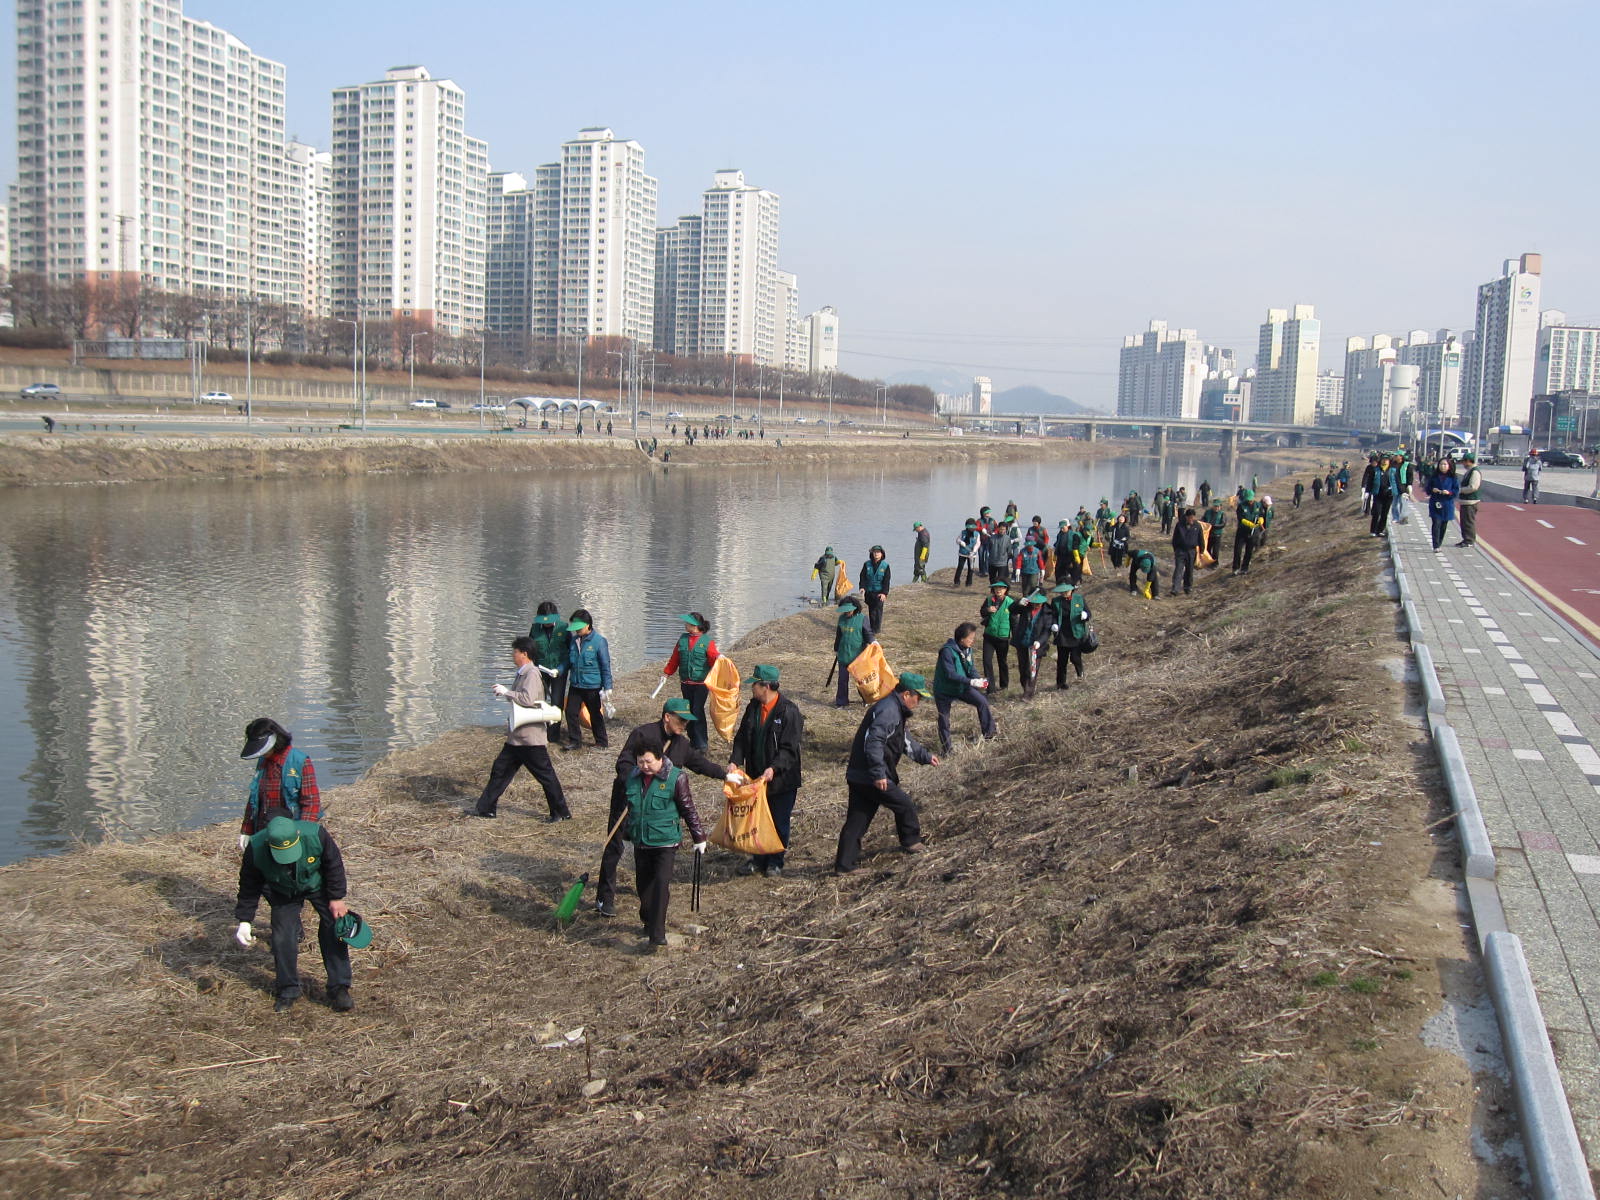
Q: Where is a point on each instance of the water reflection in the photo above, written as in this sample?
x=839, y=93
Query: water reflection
x=145, y=624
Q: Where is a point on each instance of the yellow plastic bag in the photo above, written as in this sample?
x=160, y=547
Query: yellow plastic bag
x=1087, y=570
x=873, y=678
x=841, y=582
x=722, y=700
x=746, y=821
x=1144, y=589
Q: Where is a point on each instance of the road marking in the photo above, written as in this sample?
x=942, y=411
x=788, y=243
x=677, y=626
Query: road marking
x=1584, y=864
x=1494, y=691
x=1545, y=523
x=1518, y=507
x=1575, y=541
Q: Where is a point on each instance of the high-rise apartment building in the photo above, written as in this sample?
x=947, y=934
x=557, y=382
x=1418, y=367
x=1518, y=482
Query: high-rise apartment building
x=5, y=240
x=307, y=243
x=1438, y=357
x=508, y=255
x=1330, y=397
x=1161, y=372
x=982, y=396
x=1285, y=391
x=149, y=147
x=594, y=238
x=677, y=316
x=1568, y=358
x=1497, y=388
x=793, y=331
x=1379, y=390
x=822, y=341
x=738, y=270
x=408, y=200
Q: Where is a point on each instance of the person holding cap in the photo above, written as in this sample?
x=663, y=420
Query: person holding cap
x=850, y=637
x=284, y=782
x=1069, y=623
x=1030, y=621
x=957, y=679
x=874, y=585
x=525, y=746
x=658, y=797
x=994, y=614
x=588, y=675
x=767, y=746
x=920, y=545
x=873, y=772
x=293, y=862
x=691, y=659
x=1469, y=497
x=667, y=739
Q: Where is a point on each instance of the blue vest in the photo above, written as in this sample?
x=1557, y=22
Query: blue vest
x=293, y=767
x=872, y=574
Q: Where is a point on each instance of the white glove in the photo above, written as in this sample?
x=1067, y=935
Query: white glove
x=1086, y=614
x=244, y=842
x=501, y=690
x=551, y=671
x=734, y=777
x=699, y=847
x=242, y=934
x=1055, y=629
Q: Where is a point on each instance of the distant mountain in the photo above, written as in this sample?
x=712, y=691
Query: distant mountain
x=1036, y=400
x=949, y=383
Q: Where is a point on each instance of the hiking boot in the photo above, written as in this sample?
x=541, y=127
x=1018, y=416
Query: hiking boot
x=339, y=999
x=773, y=872
x=285, y=1001
x=489, y=816
x=838, y=870
x=605, y=908
x=554, y=817
x=914, y=848
x=748, y=867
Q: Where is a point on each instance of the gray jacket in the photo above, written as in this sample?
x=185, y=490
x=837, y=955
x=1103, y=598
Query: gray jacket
x=528, y=690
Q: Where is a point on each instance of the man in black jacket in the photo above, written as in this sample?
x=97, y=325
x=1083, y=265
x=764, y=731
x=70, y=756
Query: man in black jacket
x=873, y=774
x=767, y=746
x=667, y=739
x=1186, y=540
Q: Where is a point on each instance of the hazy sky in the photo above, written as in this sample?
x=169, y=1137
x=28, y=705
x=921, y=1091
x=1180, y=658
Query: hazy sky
x=1009, y=189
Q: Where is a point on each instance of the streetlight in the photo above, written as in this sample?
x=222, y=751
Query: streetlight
x=880, y=395
x=483, y=351
x=249, y=356
x=355, y=350
x=411, y=358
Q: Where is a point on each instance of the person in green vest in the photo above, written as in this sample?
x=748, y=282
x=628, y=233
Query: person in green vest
x=850, y=637
x=874, y=584
x=767, y=746
x=550, y=640
x=1217, y=522
x=922, y=542
x=1103, y=517
x=293, y=862
x=691, y=660
x=658, y=797
x=1069, y=624
x=994, y=614
x=1249, y=518
x=284, y=780
x=825, y=570
x=1142, y=562
x=1469, y=497
x=955, y=678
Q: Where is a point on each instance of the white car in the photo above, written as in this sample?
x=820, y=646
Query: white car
x=799, y=420
x=492, y=408
x=424, y=403
x=217, y=398
x=36, y=391
x=674, y=416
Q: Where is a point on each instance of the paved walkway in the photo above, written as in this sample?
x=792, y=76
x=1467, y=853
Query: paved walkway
x=1524, y=697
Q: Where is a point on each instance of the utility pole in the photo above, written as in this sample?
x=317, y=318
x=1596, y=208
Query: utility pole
x=249, y=357
x=582, y=338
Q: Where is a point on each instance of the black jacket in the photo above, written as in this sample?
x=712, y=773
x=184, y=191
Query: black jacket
x=1186, y=536
x=1031, y=624
x=252, y=883
x=880, y=740
x=677, y=751
x=784, y=731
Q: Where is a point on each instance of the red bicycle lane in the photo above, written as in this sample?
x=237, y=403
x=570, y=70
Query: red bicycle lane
x=1554, y=550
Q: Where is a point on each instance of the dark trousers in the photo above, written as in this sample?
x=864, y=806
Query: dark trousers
x=580, y=698
x=1154, y=577
x=781, y=806
x=919, y=565
x=537, y=760
x=606, y=889
x=696, y=694
x=1440, y=528
x=1469, y=522
x=1116, y=557
x=864, y=803
x=996, y=648
x=874, y=610
x=1380, y=511
x=652, y=868
x=1215, y=546
x=973, y=697
x=1065, y=655
x=1030, y=583
x=999, y=570
x=1025, y=667
x=1182, y=570
x=1243, y=547
x=841, y=694
x=963, y=561
x=286, y=931
x=555, y=692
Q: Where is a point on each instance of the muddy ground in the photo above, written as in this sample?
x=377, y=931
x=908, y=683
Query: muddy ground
x=1175, y=934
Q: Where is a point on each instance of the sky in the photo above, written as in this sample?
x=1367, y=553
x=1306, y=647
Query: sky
x=1009, y=190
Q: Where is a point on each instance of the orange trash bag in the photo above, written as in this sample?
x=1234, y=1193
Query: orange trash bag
x=873, y=678
x=722, y=702
x=746, y=821
x=841, y=582
x=1087, y=571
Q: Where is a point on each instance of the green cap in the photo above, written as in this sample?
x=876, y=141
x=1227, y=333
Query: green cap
x=353, y=931
x=912, y=682
x=1468, y=456
x=827, y=549
x=678, y=707
x=916, y=524
x=1060, y=587
x=547, y=619
x=848, y=602
x=575, y=626
x=283, y=838
x=1063, y=524
x=764, y=675
x=689, y=619
x=1000, y=583
x=1249, y=495
x=877, y=550
x=1037, y=598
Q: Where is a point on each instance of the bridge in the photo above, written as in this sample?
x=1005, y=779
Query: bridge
x=1161, y=430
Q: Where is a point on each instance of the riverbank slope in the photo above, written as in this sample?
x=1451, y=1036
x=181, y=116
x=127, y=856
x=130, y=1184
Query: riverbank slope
x=1175, y=934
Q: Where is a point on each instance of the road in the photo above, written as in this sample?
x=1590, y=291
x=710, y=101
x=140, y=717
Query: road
x=1554, y=550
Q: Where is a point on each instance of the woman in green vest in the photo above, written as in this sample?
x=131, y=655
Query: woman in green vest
x=850, y=637
x=658, y=797
x=874, y=585
x=1069, y=623
x=550, y=639
x=994, y=615
x=691, y=660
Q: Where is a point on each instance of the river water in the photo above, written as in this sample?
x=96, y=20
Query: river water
x=143, y=625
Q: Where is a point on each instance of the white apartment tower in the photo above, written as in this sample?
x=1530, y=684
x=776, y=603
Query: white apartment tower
x=982, y=396
x=1161, y=372
x=1330, y=397
x=1438, y=357
x=508, y=257
x=677, y=315
x=595, y=235
x=408, y=203
x=738, y=270
x=822, y=341
x=1569, y=356
x=793, y=350
x=1285, y=390
x=1497, y=388
x=307, y=238
x=149, y=147
x=1378, y=388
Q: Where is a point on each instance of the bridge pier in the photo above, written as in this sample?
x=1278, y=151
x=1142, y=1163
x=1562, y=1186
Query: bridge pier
x=1091, y=431
x=1297, y=440
x=1230, y=443
x=1158, y=445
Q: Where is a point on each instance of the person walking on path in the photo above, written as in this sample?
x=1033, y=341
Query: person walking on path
x=1121, y=536
x=967, y=551
x=1368, y=488
x=526, y=746
x=691, y=659
x=874, y=585
x=824, y=571
x=1069, y=624
x=956, y=679
x=1468, y=498
x=1316, y=487
x=1299, y=491
x=921, y=543
x=292, y=862
x=1403, y=481
x=767, y=746
x=284, y=781
x=1249, y=516
x=1186, y=539
x=995, y=615
x=550, y=642
x=873, y=772
x=1142, y=562
x=1216, y=522
x=658, y=798
x=588, y=675
x=1532, y=468
x=851, y=635
x=1063, y=551
x=1030, y=634
x=1442, y=491
x=1383, y=484
x=1030, y=563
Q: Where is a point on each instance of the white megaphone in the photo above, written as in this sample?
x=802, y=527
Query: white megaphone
x=541, y=713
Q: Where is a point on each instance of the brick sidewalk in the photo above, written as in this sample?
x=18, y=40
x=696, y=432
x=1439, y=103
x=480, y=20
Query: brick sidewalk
x=1523, y=694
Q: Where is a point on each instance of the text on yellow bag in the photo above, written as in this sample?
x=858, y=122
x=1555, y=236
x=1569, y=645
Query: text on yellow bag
x=746, y=821
x=873, y=678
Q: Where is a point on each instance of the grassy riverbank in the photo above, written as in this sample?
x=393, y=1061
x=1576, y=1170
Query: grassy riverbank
x=1175, y=935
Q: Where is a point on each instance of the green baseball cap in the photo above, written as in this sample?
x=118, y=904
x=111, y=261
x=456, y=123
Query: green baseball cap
x=547, y=619
x=916, y=524
x=1060, y=587
x=353, y=931
x=912, y=682
x=764, y=674
x=1000, y=583
x=283, y=839
x=678, y=707
x=1037, y=598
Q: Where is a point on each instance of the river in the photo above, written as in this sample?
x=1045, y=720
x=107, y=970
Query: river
x=144, y=624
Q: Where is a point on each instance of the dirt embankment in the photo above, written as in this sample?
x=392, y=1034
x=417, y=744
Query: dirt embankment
x=1175, y=934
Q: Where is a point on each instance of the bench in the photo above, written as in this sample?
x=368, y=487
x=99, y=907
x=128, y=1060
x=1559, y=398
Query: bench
x=316, y=428
x=99, y=426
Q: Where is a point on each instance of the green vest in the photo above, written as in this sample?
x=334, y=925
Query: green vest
x=549, y=646
x=1069, y=615
x=297, y=879
x=851, y=640
x=653, y=810
x=693, y=664
x=999, y=624
x=872, y=574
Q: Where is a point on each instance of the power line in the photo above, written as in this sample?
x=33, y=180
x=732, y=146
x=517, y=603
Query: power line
x=939, y=362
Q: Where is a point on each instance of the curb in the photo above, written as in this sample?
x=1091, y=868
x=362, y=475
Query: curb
x=1430, y=680
x=1477, y=851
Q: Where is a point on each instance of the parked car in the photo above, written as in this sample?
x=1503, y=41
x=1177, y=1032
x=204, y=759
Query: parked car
x=1561, y=458
x=425, y=403
x=217, y=398
x=848, y=421
x=674, y=416
x=799, y=420
x=644, y=412
x=36, y=391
